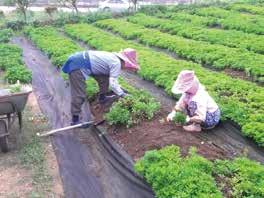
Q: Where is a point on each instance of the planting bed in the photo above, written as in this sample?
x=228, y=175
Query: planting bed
x=162, y=69
x=191, y=30
x=89, y=163
x=11, y=60
x=216, y=56
x=96, y=167
x=99, y=161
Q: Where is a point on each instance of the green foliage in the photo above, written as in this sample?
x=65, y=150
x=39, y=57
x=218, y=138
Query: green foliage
x=180, y=118
x=50, y=41
x=11, y=62
x=253, y=9
x=127, y=111
x=15, y=25
x=246, y=177
x=15, y=88
x=5, y=35
x=191, y=30
x=138, y=106
x=92, y=88
x=238, y=100
x=15, y=73
x=171, y=175
x=217, y=56
x=234, y=20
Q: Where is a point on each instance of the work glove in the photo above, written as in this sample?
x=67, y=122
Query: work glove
x=125, y=91
x=125, y=95
x=107, y=98
x=171, y=116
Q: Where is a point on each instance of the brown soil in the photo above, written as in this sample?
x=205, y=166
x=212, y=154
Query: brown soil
x=155, y=134
x=237, y=74
x=16, y=180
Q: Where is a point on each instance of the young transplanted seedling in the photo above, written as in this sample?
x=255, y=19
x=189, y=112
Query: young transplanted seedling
x=180, y=118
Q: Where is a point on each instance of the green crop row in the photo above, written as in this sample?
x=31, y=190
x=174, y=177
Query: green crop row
x=11, y=62
x=217, y=56
x=234, y=20
x=5, y=35
x=52, y=43
x=230, y=38
x=172, y=175
x=253, y=9
x=240, y=101
x=130, y=110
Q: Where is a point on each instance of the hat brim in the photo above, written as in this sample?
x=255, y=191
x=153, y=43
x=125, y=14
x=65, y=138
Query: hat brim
x=126, y=60
x=178, y=90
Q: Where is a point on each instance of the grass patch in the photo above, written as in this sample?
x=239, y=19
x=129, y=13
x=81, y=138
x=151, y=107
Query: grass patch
x=32, y=154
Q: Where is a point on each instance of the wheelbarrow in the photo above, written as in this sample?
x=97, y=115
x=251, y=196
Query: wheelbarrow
x=11, y=107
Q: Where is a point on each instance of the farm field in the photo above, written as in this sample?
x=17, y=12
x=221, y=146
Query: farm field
x=223, y=45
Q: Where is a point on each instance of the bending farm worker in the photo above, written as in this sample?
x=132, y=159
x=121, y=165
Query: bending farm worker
x=195, y=102
x=105, y=67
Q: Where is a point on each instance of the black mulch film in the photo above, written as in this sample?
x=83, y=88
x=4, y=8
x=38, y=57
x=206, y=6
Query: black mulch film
x=90, y=163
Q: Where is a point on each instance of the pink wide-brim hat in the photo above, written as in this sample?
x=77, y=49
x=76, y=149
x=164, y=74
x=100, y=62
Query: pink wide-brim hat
x=129, y=56
x=186, y=81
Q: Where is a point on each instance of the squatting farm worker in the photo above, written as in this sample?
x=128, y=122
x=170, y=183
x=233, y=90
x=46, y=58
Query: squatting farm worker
x=195, y=102
x=105, y=67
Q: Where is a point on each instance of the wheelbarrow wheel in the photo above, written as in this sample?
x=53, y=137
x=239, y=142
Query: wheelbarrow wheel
x=3, y=140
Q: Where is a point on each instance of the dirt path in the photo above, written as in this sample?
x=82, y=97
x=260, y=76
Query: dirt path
x=18, y=180
x=89, y=165
x=52, y=165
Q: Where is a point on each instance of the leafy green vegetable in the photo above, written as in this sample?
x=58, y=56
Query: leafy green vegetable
x=217, y=56
x=180, y=118
x=171, y=175
x=11, y=63
x=5, y=35
x=138, y=106
x=246, y=177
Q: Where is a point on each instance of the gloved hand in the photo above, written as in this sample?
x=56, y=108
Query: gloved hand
x=188, y=119
x=171, y=115
x=107, y=98
x=125, y=91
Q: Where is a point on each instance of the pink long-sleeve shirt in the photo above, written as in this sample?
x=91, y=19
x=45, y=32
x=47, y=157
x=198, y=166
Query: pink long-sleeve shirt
x=201, y=101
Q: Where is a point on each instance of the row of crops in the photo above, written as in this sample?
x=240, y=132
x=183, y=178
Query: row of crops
x=169, y=174
x=187, y=29
x=216, y=56
x=11, y=60
x=187, y=35
x=240, y=101
x=246, y=8
x=138, y=106
x=221, y=18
